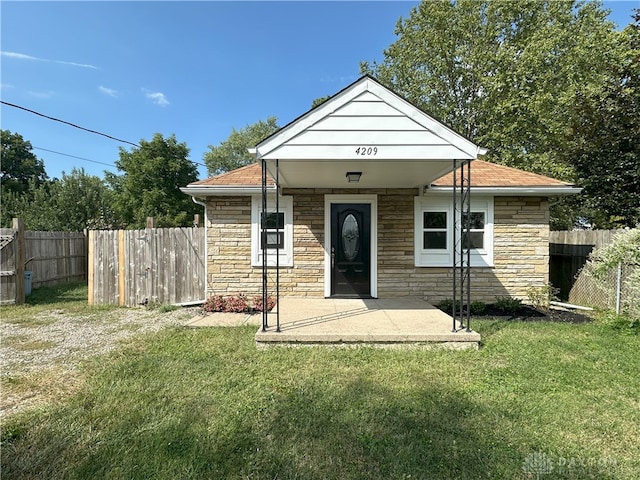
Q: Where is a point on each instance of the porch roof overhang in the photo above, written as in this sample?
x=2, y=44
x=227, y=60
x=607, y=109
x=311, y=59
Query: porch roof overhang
x=364, y=128
x=217, y=190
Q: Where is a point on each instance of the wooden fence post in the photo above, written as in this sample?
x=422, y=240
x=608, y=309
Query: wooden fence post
x=151, y=222
x=18, y=226
x=122, y=271
x=90, y=267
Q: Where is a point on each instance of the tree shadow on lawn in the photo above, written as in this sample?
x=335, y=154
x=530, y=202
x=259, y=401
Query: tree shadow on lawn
x=256, y=425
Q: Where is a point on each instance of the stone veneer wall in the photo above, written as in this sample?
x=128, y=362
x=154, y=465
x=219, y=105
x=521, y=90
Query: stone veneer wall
x=229, y=248
x=521, y=250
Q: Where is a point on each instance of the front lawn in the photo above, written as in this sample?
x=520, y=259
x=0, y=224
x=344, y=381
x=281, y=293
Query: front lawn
x=539, y=400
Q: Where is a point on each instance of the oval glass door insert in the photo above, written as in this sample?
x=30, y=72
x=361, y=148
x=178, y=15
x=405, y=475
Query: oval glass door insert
x=350, y=237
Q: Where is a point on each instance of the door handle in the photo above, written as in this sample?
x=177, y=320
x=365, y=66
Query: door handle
x=333, y=257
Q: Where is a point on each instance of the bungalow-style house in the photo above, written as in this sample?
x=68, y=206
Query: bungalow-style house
x=365, y=208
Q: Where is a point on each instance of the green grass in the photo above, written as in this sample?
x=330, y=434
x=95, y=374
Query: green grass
x=204, y=403
x=70, y=299
x=26, y=343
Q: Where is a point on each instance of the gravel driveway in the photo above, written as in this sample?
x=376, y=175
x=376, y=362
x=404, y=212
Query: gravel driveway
x=39, y=358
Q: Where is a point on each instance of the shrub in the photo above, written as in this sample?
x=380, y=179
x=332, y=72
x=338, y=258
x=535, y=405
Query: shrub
x=215, y=303
x=508, y=305
x=446, y=305
x=478, y=307
x=257, y=303
x=541, y=297
x=236, y=304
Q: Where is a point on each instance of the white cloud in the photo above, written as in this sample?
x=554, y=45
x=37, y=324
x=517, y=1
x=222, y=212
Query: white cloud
x=108, y=91
x=6, y=85
x=22, y=56
x=48, y=94
x=158, y=98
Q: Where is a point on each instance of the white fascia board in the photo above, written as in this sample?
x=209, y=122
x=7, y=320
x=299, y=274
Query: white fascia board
x=210, y=191
x=509, y=191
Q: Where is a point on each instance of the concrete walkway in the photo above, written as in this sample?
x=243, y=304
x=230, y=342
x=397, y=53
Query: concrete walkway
x=389, y=322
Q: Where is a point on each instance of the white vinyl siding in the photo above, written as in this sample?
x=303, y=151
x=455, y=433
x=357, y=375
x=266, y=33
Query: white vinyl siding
x=370, y=119
x=433, y=226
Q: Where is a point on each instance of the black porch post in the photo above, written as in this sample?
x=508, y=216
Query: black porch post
x=278, y=250
x=263, y=245
x=454, y=313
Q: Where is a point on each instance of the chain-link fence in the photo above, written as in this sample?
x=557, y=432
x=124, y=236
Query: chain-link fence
x=609, y=292
x=570, y=273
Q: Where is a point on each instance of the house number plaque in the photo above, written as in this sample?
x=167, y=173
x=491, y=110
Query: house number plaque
x=367, y=151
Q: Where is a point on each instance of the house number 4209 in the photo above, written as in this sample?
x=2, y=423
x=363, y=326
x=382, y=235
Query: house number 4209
x=367, y=151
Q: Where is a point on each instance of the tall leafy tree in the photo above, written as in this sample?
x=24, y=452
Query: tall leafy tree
x=150, y=184
x=504, y=74
x=604, y=142
x=72, y=203
x=232, y=153
x=18, y=163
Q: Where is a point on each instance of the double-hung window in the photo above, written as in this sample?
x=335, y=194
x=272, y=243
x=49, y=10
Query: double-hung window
x=276, y=238
x=434, y=225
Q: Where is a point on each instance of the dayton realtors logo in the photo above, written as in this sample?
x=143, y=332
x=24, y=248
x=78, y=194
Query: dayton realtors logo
x=539, y=463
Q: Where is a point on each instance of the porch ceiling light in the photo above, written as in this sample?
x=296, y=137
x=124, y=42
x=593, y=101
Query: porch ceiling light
x=353, y=177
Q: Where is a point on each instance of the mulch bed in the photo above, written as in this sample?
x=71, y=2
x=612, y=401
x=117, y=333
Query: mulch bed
x=529, y=314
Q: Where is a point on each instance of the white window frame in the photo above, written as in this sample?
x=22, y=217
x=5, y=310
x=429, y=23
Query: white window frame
x=444, y=257
x=286, y=254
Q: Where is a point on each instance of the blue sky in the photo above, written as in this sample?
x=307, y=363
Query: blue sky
x=193, y=69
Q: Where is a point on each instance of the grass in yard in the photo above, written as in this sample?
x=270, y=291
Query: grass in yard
x=70, y=299
x=26, y=343
x=204, y=403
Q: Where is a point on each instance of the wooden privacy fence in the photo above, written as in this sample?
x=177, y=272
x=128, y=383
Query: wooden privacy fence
x=51, y=258
x=154, y=265
x=568, y=253
x=56, y=257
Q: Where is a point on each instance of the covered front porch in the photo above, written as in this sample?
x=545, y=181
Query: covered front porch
x=382, y=322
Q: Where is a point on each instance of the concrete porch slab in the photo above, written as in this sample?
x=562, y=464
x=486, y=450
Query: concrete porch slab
x=389, y=322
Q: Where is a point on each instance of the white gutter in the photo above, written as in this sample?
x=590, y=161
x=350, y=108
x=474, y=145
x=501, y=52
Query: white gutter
x=206, y=256
x=509, y=191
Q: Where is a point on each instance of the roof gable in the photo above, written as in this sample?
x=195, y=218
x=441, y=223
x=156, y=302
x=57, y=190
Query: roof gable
x=366, y=114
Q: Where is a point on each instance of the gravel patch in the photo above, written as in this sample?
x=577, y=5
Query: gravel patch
x=58, y=342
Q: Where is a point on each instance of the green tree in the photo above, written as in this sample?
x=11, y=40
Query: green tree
x=604, y=142
x=19, y=164
x=150, y=184
x=504, y=74
x=320, y=101
x=71, y=203
x=232, y=153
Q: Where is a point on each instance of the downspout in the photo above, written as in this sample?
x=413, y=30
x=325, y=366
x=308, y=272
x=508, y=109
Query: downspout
x=206, y=243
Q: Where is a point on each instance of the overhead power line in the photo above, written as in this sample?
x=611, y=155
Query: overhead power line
x=74, y=156
x=81, y=128
x=68, y=123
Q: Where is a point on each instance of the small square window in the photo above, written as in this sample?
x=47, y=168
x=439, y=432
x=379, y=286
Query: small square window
x=435, y=220
x=476, y=220
x=476, y=239
x=435, y=240
x=273, y=240
x=273, y=220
